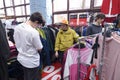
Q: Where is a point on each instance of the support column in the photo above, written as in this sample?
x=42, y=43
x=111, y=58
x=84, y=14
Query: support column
x=44, y=7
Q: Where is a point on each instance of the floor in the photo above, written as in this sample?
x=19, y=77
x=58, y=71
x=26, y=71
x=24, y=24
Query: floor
x=52, y=72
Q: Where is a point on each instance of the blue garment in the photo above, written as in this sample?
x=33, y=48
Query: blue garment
x=84, y=31
x=45, y=53
x=50, y=40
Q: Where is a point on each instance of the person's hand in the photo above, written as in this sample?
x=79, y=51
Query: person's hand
x=56, y=54
x=81, y=38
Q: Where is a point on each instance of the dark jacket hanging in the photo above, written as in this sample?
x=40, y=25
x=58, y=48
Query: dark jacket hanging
x=4, y=53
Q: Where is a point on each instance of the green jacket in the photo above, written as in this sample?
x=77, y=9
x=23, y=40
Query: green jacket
x=41, y=32
x=65, y=39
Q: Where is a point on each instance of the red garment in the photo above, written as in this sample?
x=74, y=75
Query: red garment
x=109, y=19
x=89, y=70
x=115, y=7
x=106, y=7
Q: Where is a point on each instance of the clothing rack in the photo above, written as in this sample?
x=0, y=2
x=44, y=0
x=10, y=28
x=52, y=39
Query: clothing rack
x=79, y=56
x=103, y=48
x=79, y=59
x=79, y=64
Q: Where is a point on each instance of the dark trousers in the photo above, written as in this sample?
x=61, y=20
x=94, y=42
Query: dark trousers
x=31, y=73
x=60, y=56
x=60, y=59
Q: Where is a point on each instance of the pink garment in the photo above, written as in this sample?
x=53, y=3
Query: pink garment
x=110, y=70
x=84, y=53
x=72, y=58
x=74, y=71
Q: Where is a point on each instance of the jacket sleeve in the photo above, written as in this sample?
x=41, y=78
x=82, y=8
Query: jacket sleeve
x=89, y=31
x=57, y=42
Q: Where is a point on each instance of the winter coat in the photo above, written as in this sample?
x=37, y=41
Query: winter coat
x=65, y=39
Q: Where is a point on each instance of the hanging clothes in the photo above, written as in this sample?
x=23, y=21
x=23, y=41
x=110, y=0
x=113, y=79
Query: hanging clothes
x=10, y=35
x=50, y=37
x=45, y=53
x=4, y=53
x=111, y=7
x=72, y=58
x=41, y=32
x=111, y=58
x=110, y=19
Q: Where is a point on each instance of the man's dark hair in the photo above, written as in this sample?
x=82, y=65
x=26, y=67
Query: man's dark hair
x=36, y=16
x=100, y=16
